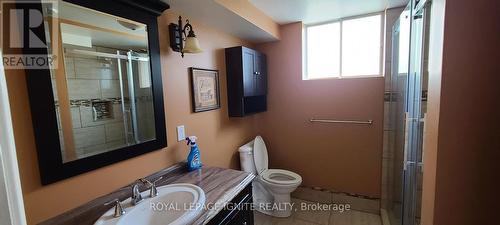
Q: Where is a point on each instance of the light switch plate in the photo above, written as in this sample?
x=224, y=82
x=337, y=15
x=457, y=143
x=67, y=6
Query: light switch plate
x=181, y=135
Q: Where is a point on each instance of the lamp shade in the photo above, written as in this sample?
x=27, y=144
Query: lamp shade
x=192, y=45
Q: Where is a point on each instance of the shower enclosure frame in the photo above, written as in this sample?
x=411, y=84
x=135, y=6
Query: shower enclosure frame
x=412, y=122
x=413, y=163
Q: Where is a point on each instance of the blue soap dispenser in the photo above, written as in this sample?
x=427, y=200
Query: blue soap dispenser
x=193, y=160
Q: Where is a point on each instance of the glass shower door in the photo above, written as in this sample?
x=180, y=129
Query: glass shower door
x=137, y=104
x=406, y=115
x=417, y=100
x=398, y=109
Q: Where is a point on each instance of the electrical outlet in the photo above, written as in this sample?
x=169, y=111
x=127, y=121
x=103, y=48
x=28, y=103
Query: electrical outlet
x=181, y=134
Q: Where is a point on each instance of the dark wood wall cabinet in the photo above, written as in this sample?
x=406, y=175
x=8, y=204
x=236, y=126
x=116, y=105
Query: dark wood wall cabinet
x=239, y=210
x=246, y=81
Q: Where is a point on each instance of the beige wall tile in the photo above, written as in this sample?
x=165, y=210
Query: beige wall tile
x=69, y=67
x=88, y=68
x=387, y=114
x=75, y=117
x=89, y=136
x=84, y=89
x=110, y=88
x=115, y=131
x=109, y=146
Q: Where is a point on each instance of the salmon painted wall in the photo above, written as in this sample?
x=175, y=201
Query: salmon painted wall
x=461, y=163
x=218, y=135
x=346, y=157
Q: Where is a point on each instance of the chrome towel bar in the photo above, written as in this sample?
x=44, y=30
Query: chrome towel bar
x=369, y=122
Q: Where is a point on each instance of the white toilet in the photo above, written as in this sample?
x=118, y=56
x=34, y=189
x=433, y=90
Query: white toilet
x=272, y=187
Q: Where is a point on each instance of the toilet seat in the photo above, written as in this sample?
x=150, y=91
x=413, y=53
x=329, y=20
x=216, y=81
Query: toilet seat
x=281, y=177
x=272, y=176
x=272, y=186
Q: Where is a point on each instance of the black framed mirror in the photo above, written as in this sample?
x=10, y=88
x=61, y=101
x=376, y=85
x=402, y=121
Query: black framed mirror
x=101, y=100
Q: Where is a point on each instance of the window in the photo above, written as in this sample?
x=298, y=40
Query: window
x=345, y=48
x=323, y=48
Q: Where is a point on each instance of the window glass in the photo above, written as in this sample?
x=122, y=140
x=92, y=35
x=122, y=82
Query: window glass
x=357, y=53
x=323, y=51
x=361, y=46
x=404, y=42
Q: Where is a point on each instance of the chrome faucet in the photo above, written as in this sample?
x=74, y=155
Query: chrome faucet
x=136, y=194
x=153, y=192
x=119, y=211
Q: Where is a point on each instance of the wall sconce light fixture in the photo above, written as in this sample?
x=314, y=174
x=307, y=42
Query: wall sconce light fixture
x=182, y=42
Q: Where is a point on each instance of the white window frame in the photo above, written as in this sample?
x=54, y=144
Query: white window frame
x=340, y=21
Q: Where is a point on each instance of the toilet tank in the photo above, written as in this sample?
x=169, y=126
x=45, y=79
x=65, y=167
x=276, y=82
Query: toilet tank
x=246, y=158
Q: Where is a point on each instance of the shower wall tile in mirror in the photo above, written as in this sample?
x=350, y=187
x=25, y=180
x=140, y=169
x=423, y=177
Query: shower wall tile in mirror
x=108, y=101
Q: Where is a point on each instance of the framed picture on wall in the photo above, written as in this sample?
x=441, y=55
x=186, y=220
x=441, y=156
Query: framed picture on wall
x=205, y=89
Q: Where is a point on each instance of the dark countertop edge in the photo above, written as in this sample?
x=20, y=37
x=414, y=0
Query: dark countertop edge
x=170, y=175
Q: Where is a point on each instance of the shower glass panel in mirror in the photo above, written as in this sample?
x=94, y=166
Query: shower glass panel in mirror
x=103, y=95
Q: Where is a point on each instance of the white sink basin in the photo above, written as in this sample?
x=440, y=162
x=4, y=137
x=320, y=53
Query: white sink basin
x=176, y=204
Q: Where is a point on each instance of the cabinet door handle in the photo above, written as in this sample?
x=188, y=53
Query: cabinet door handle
x=257, y=73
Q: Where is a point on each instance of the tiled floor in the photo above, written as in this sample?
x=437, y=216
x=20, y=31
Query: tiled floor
x=299, y=217
x=356, y=203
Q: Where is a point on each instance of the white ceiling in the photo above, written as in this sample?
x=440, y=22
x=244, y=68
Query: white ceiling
x=98, y=19
x=213, y=14
x=317, y=11
x=106, y=39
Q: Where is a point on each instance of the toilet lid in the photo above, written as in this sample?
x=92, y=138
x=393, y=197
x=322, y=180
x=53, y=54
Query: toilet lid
x=260, y=154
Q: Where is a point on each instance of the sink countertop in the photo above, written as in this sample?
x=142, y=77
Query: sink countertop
x=220, y=186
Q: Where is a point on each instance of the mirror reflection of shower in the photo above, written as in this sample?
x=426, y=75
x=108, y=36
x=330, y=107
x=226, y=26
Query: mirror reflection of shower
x=103, y=94
x=124, y=106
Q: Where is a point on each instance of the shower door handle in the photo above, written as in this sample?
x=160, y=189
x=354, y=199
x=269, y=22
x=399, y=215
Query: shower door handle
x=422, y=123
x=406, y=161
x=405, y=147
